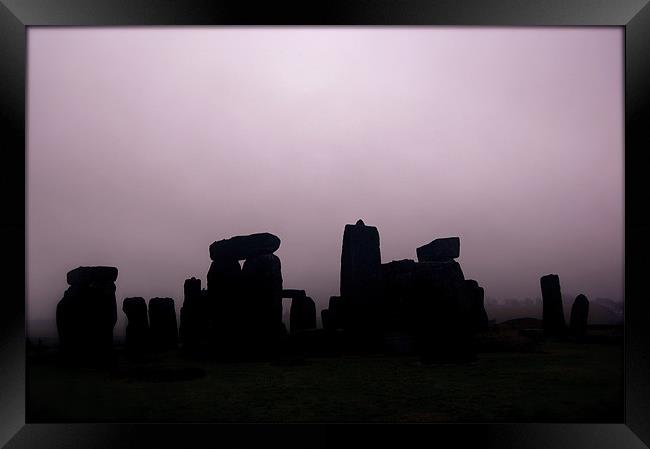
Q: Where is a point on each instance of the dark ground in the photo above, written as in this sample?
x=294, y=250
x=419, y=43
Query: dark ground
x=557, y=382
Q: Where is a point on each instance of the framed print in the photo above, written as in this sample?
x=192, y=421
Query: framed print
x=325, y=223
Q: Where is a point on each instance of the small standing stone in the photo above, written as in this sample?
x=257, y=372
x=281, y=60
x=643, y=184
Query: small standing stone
x=162, y=322
x=579, y=315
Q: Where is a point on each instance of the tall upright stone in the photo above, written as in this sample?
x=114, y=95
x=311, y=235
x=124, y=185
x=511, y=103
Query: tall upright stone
x=162, y=323
x=137, y=328
x=262, y=294
x=87, y=313
x=579, y=315
x=553, y=313
x=194, y=314
x=361, y=275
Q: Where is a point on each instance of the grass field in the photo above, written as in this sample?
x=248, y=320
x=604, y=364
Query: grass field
x=566, y=382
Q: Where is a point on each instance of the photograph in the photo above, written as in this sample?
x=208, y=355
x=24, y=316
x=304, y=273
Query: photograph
x=289, y=224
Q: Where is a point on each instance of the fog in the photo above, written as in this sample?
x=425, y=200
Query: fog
x=145, y=145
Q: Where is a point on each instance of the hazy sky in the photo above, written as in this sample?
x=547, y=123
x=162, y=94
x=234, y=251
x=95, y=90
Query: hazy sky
x=145, y=145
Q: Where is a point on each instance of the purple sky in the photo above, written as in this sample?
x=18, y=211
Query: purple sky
x=147, y=144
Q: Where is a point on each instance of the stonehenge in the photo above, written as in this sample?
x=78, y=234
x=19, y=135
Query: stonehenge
x=427, y=301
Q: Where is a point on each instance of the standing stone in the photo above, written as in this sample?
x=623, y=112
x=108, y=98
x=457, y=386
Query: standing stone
x=244, y=246
x=302, y=314
x=262, y=293
x=553, y=314
x=439, y=250
x=398, y=313
x=361, y=274
x=325, y=319
x=194, y=314
x=137, y=329
x=224, y=279
x=441, y=309
x=224, y=307
x=87, y=313
x=579, y=315
x=337, y=312
x=478, y=316
x=162, y=321
x=310, y=314
x=192, y=290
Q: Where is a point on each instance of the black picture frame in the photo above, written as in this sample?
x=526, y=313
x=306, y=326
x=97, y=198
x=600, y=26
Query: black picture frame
x=17, y=15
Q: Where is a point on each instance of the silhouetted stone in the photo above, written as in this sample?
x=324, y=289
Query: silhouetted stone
x=195, y=315
x=325, y=319
x=162, y=322
x=87, y=313
x=192, y=290
x=244, y=246
x=478, y=316
x=553, y=313
x=398, y=287
x=439, y=250
x=293, y=293
x=428, y=300
x=361, y=275
x=262, y=297
x=90, y=275
x=579, y=315
x=224, y=278
x=398, y=267
x=225, y=308
x=337, y=308
x=137, y=328
x=302, y=314
x=310, y=316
